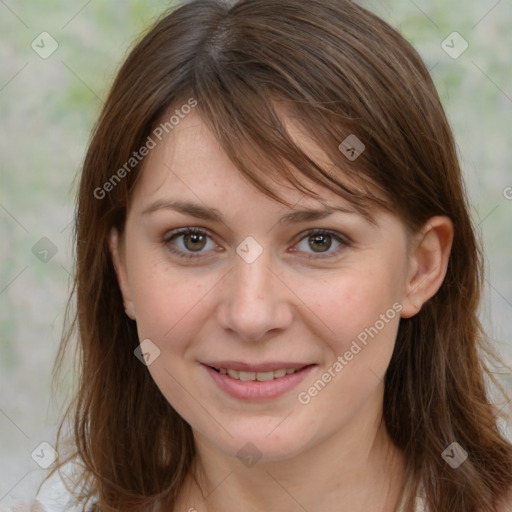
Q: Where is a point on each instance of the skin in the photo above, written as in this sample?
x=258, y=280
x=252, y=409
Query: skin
x=283, y=306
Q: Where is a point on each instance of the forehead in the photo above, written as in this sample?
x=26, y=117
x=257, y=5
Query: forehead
x=189, y=162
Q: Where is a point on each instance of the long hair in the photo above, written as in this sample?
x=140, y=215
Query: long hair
x=342, y=72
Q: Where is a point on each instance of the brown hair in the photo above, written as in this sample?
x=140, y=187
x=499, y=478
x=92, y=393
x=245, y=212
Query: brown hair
x=341, y=70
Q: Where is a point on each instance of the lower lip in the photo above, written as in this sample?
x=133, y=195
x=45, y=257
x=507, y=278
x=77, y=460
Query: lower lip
x=256, y=390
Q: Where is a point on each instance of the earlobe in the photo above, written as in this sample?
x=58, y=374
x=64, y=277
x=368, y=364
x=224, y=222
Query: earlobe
x=428, y=264
x=116, y=251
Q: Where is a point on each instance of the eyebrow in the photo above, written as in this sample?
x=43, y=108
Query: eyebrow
x=212, y=214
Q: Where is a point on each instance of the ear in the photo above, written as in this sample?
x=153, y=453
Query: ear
x=116, y=247
x=428, y=261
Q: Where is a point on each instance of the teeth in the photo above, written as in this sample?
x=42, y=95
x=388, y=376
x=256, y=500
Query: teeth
x=263, y=376
x=259, y=376
x=234, y=374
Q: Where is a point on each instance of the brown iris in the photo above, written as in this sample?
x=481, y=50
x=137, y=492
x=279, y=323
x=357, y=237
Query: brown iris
x=320, y=243
x=197, y=241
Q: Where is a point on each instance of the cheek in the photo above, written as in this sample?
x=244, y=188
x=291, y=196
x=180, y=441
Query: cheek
x=171, y=308
x=168, y=305
x=362, y=317
x=167, y=300
x=360, y=313
x=351, y=302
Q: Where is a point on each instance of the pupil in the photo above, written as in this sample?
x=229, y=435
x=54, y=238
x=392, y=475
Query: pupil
x=317, y=242
x=197, y=241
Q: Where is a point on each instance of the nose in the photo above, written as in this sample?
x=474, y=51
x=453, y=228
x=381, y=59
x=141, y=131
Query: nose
x=254, y=301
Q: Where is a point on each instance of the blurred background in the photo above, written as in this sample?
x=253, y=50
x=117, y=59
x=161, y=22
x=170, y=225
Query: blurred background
x=57, y=60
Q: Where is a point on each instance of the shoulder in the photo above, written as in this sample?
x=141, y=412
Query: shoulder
x=37, y=493
x=56, y=493
x=421, y=505
x=505, y=504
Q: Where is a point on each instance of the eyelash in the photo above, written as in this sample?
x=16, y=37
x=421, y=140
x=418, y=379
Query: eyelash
x=342, y=240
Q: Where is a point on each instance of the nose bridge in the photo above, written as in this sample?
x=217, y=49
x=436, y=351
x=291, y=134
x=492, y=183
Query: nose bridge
x=253, y=281
x=254, y=301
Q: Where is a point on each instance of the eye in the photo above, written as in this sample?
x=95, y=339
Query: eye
x=189, y=242
x=317, y=243
x=192, y=243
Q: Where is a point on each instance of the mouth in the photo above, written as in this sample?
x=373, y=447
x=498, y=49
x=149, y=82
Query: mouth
x=259, y=376
x=257, y=382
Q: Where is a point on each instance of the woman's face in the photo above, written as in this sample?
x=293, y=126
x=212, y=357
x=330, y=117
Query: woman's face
x=257, y=291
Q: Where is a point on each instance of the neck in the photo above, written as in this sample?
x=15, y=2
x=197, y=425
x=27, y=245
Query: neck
x=356, y=469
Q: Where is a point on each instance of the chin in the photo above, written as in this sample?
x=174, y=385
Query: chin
x=261, y=444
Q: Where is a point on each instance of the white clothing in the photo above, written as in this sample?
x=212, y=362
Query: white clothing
x=53, y=496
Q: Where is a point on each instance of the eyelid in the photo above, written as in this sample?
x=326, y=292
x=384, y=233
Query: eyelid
x=342, y=239
x=183, y=231
x=313, y=231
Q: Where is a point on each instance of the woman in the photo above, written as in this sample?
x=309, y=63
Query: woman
x=277, y=277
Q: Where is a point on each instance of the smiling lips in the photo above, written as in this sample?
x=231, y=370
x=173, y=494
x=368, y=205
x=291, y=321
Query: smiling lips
x=257, y=382
x=259, y=376
x=262, y=372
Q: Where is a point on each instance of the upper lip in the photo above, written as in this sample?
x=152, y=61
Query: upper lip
x=252, y=367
